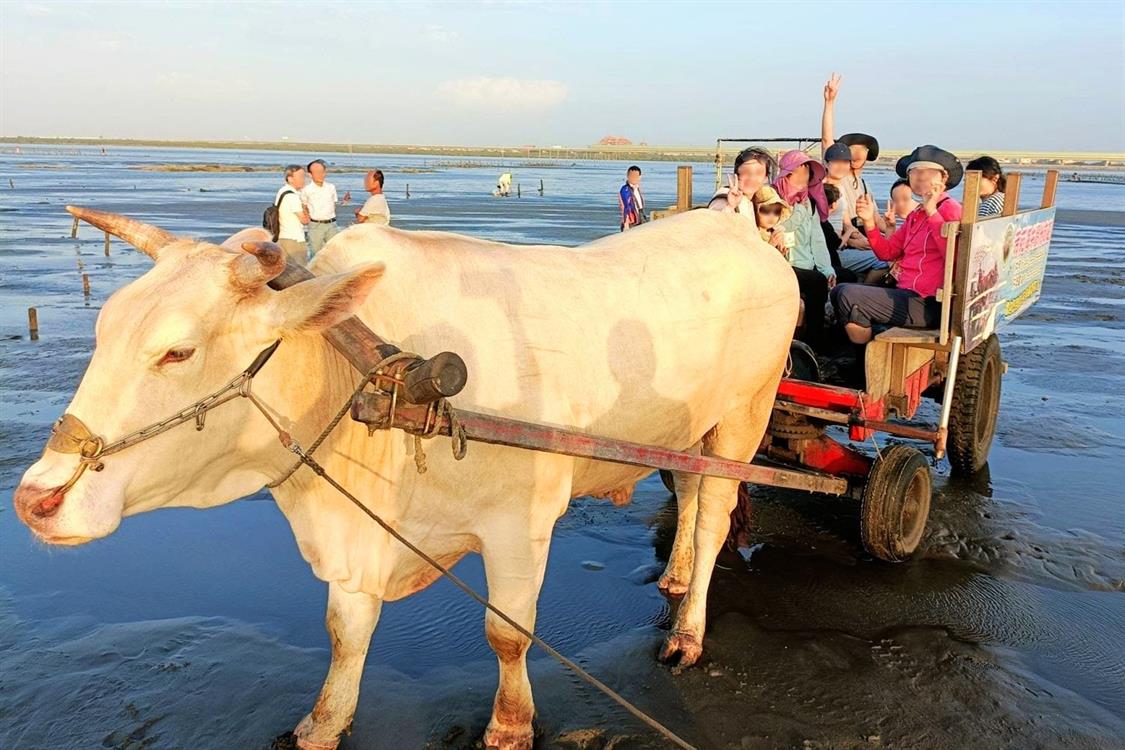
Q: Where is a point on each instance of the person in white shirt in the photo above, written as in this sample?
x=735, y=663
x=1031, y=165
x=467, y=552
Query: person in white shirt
x=375, y=210
x=320, y=201
x=292, y=216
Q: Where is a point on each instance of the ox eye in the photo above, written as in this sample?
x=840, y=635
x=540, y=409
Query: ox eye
x=180, y=354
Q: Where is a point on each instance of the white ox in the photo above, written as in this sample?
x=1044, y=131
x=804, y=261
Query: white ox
x=674, y=334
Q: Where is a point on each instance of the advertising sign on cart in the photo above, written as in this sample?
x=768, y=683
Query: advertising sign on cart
x=1007, y=260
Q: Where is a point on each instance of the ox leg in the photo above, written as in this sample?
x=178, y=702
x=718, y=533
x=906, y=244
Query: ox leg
x=350, y=620
x=737, y=438
x=515, y=571
x=677, y=574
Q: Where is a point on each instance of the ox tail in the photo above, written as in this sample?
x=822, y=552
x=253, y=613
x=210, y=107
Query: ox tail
x=740, y=520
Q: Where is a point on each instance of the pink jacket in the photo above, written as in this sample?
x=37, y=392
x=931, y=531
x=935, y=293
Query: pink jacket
x=919, y=245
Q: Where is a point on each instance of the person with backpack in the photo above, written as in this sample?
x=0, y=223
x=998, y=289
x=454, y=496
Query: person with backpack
x=287, y=217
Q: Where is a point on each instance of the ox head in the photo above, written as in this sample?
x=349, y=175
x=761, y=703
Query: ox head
x=172, y=336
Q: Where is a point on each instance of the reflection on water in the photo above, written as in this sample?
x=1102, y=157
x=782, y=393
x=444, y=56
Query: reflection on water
x=201, y=629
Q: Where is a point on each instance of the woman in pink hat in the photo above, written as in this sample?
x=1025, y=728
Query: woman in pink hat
x=799, y=184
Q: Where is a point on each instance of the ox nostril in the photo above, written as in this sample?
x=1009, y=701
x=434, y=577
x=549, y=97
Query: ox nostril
x=37, y=502
x=49, y=505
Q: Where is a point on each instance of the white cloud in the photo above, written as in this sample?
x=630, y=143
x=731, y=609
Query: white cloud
x=504, y=93
x=441, y=35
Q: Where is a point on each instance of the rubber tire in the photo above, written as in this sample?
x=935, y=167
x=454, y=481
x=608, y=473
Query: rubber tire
x=666, y=478
x=975, y=408
x=896, y=504
x=802, y=362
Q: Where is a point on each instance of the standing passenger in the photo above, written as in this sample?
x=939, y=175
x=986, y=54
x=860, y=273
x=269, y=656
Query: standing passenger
x=292, y=216
x=862, y=147
x=319, y=198
x=375, y=210
x=630, y=199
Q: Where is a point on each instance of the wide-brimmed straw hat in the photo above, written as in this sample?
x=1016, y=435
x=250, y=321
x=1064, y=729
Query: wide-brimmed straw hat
x=861, y=139
x=767, y=196
x=936, y=158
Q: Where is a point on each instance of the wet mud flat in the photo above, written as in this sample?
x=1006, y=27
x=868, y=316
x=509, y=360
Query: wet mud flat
x=190, y=629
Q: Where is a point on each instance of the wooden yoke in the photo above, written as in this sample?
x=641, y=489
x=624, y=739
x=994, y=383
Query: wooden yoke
x=425, y=380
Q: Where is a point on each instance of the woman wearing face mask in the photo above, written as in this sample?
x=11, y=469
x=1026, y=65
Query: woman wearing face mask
x=917, y=244
x=799, y=185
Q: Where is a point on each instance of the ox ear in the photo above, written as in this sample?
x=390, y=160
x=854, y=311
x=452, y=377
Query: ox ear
x=321, y=303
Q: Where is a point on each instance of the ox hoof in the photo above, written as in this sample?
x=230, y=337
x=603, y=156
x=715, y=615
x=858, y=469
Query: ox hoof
x=672, y=584
x=305, y=742
x=509, y=738
x=681, y=650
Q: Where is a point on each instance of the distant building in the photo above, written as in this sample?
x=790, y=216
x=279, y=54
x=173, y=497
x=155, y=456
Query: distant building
x=615, y=140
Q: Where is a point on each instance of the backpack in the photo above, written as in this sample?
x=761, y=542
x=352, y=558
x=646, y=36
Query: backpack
x=271, y=217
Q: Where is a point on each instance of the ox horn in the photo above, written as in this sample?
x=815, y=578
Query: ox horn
x=264, y=262
x=145, y=237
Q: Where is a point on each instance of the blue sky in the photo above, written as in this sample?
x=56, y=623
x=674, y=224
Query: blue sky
x=981, y=75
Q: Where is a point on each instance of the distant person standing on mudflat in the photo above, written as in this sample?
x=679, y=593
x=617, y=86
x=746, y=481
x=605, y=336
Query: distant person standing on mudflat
x=292, y=216
x=631, y=200
x=320, y=199
x=375, y=210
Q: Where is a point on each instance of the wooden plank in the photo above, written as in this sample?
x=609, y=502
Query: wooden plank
x=949, y=231
x=908, y=336
x=1049, y=187
x=683, y=188
x=970, y=205
x=1011, y=194
x=970, y=199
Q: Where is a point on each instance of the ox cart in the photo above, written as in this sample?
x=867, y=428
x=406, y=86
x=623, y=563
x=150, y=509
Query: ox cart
x=993, y=273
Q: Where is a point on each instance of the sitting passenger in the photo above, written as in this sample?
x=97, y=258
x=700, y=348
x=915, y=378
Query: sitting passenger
x=771, y=213
x=832, y=231
x=918, y=243
x=798, y=184
x=901, y=204
x=753, y=168
x=991, y=186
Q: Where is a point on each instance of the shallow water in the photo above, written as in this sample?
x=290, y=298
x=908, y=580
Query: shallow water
x=204, y=629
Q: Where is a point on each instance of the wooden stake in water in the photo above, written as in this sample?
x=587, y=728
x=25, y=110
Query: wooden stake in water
x=74, y=229
x=33, y=323
x=86, y=284
x=408, y=191
x=519, y=193
x=107, y=244
x=540, y=188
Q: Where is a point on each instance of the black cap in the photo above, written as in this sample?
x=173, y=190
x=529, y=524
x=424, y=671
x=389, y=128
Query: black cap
x=838, y=151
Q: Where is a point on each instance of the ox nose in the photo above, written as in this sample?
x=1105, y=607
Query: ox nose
x=34, y=503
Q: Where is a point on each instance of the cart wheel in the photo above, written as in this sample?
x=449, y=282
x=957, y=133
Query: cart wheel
x=896, y=504
x=802, y=364
x=666, y=477
x=976, y=403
